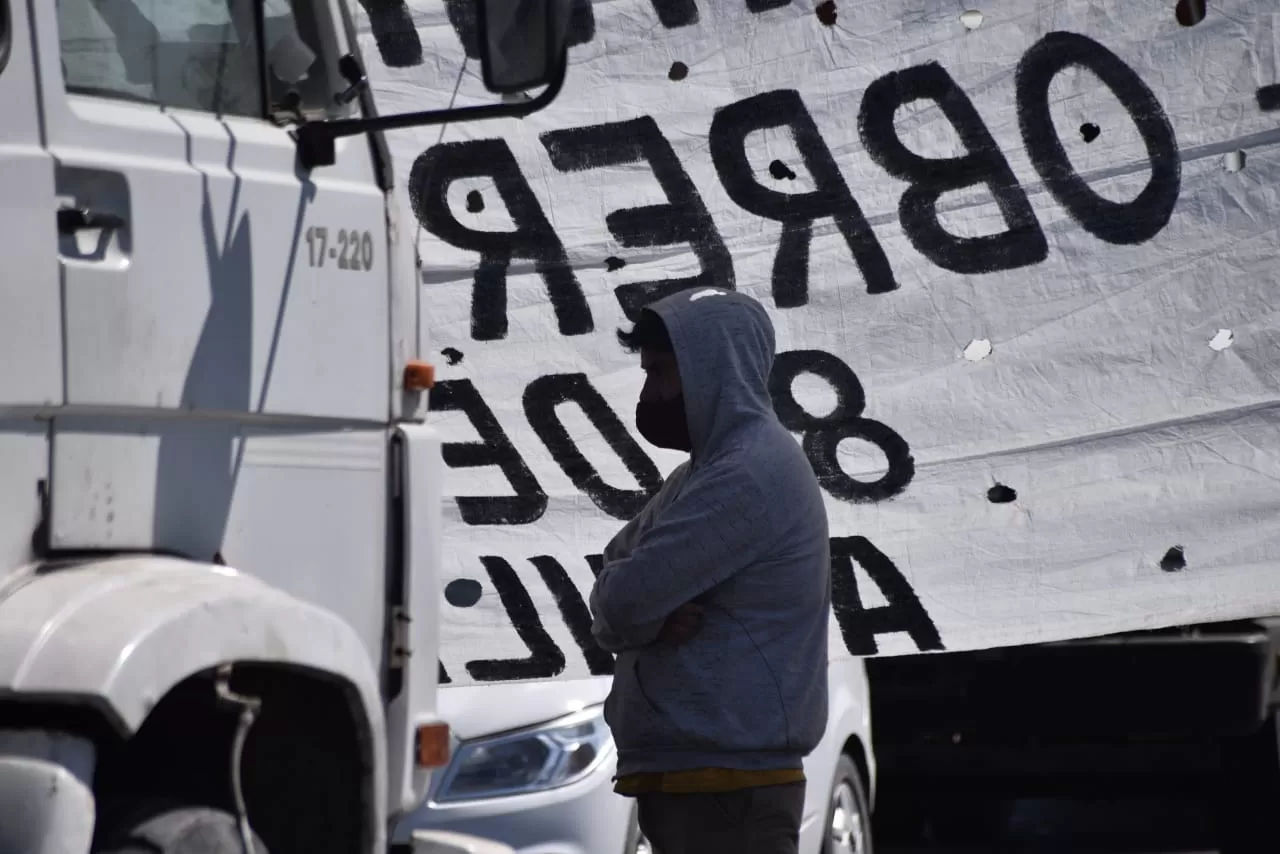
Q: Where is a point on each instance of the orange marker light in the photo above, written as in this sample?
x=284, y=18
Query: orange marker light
x=419, y=376
x=433, y=745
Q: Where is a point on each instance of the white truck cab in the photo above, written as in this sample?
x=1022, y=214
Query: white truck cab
x=219, y=507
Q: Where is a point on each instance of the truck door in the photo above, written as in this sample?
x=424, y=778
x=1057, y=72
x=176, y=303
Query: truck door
x=227, y=355
x=30, y=329
x=222, y=277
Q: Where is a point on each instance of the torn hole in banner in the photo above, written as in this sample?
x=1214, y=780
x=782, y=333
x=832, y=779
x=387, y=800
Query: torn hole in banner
x=978, y=349
x=463, y=592
x=774, y=157
x=1222, y=340
x=1174, y=560
x=1002, y=494
x=1190, y=12
x=781, y=171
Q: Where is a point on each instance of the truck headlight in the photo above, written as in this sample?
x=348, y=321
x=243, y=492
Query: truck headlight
x=555, y=754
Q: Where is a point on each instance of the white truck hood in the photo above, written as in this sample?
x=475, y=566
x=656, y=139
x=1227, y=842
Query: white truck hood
x=473, y=711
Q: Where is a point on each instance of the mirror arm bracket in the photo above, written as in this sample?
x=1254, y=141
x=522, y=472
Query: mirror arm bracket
x=315, y=140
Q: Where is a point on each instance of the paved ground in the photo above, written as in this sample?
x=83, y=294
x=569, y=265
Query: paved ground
x=1122, y=826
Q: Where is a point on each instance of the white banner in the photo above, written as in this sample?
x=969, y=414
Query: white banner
x=1022, y=267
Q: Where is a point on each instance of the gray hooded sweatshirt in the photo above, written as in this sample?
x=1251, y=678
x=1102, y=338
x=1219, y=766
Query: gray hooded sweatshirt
x=741, y=529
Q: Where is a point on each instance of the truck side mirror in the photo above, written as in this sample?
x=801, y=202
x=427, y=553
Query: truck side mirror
x=522, y=42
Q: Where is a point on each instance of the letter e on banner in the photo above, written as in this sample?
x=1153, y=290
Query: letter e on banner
x=684, y=220
x=493, y=449
x=541, y=398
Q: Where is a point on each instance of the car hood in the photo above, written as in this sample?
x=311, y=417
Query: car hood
x=473, y=711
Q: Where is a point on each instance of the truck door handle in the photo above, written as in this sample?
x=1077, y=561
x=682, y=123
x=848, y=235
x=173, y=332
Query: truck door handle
x=71, y=220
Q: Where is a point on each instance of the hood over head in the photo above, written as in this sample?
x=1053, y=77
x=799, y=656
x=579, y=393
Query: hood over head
x=724, y=347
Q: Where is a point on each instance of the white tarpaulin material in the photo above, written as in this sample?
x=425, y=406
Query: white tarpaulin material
x=1022, y=267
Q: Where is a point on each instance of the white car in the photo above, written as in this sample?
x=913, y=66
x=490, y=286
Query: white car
x=533, y=767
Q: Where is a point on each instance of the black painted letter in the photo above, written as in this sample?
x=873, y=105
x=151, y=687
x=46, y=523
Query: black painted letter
x=681, y=13
x=493, y=449
x=534, y=238
x=1115, y=222
x=1020, y=245
x=685, y=220
x=859, y=625
x=576, y=614
x=676, y=13
x=824, y=433
x=796, y=211
x=397, y=38
x=545, y=658
x=541, y=398
x=462, y=17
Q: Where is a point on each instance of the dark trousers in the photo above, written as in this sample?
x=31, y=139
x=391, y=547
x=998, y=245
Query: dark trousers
x=760, y=820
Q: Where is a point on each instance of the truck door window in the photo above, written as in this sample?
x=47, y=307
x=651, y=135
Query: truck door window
x=199, y=54
x=302, y=54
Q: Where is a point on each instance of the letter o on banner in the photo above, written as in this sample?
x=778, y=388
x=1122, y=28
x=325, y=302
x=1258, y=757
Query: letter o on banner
x=1120, y=223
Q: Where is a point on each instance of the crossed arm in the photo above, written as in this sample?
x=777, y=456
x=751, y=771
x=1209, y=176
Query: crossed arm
x=710, y=531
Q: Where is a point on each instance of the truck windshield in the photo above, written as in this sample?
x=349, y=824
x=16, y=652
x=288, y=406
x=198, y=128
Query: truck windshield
x=199, y=55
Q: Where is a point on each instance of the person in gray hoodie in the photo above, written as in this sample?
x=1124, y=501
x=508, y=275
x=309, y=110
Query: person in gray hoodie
x=716, y=598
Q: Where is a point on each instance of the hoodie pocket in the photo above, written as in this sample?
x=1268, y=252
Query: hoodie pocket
x=641, y=711
x=635, y=672
x=717, y=693
x=660, y=719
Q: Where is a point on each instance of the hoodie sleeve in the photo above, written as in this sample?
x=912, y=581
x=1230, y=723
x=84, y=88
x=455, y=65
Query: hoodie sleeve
x=617, y=549
x=610, y=642
x=620, y=545
x=714, y=528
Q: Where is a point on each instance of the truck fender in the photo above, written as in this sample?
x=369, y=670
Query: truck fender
x=120, y=633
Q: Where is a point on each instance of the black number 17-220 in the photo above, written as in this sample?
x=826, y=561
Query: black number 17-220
x=351, y=249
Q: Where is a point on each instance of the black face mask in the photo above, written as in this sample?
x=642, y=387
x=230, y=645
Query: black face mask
x=664, y=423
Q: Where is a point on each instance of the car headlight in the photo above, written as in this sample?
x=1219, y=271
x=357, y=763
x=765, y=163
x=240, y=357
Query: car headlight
x=533, y=760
